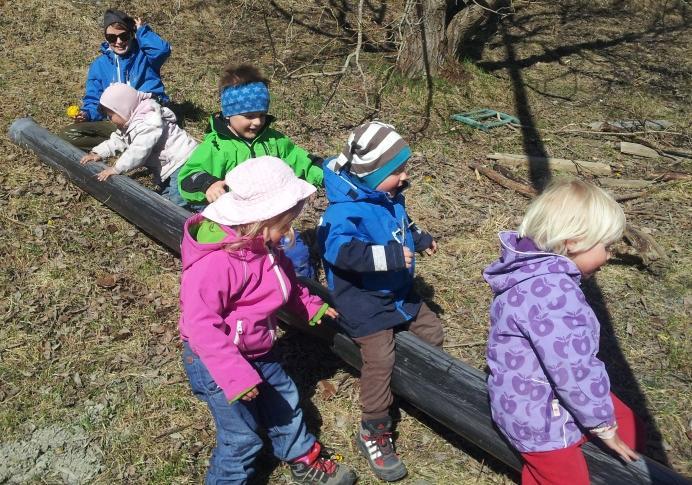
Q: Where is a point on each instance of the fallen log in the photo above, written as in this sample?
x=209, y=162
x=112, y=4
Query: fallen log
x=635, y=184
x=557, y=164
x=446, y=389
x=638, y=150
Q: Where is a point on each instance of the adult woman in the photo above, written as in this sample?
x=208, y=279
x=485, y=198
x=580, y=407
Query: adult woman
x=132, y=54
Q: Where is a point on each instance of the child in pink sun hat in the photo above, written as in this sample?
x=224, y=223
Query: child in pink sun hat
x=235, y=278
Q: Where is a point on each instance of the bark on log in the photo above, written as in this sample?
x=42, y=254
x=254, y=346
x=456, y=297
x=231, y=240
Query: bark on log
x=442, y=387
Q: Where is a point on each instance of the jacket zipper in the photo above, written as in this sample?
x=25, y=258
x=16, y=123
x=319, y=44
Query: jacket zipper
x=277, y=271
x=238, y=333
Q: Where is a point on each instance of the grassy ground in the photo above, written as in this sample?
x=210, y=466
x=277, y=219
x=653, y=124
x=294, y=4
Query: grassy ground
x=91, y=387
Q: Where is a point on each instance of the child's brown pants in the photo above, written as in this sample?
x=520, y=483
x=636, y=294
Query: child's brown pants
x=377, y=352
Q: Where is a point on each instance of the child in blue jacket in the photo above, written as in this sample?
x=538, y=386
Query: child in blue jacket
x=132, y=54
x=367, y=242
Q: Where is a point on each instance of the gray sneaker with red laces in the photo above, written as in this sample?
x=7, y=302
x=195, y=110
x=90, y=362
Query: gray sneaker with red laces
x=374, y=441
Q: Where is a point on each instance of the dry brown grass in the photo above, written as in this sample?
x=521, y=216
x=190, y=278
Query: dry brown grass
x=106, y=359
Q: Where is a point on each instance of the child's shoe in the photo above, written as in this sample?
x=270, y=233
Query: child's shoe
x=318, y=468
x=375, y=442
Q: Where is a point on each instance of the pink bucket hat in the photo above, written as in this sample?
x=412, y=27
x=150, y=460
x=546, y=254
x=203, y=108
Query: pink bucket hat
x=259, y=189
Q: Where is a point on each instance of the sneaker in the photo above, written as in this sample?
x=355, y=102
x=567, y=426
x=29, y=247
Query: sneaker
x=318, y=466
x=374, y=441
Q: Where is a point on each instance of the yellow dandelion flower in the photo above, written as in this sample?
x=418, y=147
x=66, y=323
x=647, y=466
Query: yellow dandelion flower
x=72, y=110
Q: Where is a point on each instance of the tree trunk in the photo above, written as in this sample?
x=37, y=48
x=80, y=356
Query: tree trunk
x=423, y=37
x=436, y=30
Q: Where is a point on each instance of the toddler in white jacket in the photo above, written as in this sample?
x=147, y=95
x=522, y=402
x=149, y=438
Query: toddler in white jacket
x=147, y=135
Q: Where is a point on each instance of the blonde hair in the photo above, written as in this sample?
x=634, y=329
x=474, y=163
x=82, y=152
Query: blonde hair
x=574, y=210
x=253, y=229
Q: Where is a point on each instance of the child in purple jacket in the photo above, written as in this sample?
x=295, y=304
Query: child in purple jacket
x=235, y=278
x=546, y=385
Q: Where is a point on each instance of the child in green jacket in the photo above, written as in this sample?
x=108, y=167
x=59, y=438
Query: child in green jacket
x=240, y=132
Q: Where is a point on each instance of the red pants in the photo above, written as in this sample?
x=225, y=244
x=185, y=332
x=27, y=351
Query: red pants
x=567, y=466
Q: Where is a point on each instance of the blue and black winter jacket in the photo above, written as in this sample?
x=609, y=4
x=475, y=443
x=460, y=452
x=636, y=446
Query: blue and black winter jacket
x=140, y=68
x=361, y=235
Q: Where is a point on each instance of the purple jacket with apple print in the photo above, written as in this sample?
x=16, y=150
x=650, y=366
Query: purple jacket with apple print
x=545, y=380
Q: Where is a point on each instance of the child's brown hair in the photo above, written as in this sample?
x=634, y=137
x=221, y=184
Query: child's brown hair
x=237, y=74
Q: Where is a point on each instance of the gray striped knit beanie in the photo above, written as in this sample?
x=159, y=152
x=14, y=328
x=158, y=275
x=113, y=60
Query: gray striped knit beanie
x=373, y=151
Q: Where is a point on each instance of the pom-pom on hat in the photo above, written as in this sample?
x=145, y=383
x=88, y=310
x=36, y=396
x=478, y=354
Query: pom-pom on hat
x=112, y=16
x=259, y=189
x=373, y=151
x=245, y=98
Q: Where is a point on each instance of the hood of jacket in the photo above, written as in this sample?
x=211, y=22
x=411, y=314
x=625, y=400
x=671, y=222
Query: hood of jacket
x=521, y=260
x=192, y=251
x=346, y=187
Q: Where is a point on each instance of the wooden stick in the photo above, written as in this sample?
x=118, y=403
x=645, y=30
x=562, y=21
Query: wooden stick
x=630, y=196
x=557, y=164
x=504, y=181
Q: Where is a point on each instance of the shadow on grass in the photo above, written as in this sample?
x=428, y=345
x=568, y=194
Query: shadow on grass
x=307, y=360
x=622, y=377
x=187, y=111
x=486, y=460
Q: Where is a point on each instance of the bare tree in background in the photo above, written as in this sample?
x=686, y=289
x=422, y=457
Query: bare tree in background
x=433, y=31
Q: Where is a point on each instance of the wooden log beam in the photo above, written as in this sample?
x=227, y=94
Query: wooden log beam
x=554, y=164
x=446, y=389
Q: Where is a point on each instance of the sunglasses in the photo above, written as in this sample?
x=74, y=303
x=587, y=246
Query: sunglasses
x=113, y=38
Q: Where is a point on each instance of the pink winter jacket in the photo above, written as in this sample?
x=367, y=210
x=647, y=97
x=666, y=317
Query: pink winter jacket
x=228, y=303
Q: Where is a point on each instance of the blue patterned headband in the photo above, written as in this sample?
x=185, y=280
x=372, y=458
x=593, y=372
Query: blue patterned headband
x=245, y=98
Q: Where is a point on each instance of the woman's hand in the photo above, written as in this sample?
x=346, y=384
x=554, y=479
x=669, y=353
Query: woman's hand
x=432, y=249
x=138, y=22
x=408, y=257
x=81, y=117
